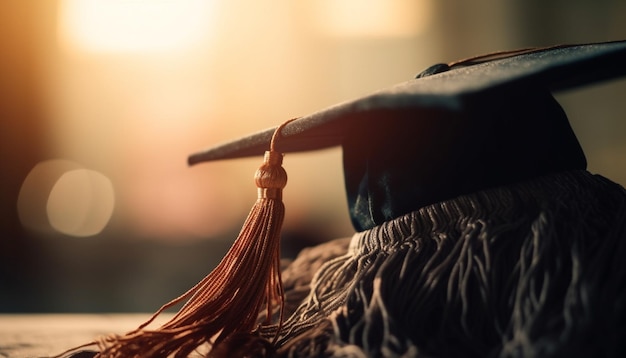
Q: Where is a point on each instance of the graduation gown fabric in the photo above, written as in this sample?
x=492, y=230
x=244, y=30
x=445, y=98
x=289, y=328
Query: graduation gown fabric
x=534, y=268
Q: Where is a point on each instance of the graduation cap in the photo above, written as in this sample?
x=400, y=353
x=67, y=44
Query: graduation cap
x=456, y=129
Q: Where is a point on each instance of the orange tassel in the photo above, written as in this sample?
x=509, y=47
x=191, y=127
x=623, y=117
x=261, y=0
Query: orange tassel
x=227, y=302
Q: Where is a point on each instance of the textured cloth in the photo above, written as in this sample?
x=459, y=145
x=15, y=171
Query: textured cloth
x=530, y=269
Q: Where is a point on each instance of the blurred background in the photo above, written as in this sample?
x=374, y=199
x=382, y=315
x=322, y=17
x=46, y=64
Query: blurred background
x=101, y=101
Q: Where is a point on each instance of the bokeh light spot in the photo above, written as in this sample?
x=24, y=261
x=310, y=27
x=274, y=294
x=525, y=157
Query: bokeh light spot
x=61, y=196
x=34, y=192
x=81, y=203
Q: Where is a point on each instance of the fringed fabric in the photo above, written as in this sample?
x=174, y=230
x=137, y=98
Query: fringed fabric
x=534, y=269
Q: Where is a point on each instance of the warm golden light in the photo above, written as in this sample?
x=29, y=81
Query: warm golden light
x=133, y=25
x=140, y=84
x=372, y=18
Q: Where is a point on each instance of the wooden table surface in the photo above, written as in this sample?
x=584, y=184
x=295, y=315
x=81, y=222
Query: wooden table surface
x=46, y=335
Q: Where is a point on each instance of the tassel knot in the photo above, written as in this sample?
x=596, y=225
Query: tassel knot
x=271, y=174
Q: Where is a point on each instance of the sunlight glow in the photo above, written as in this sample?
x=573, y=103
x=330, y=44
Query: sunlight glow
x=372, y=18
x=133, y=25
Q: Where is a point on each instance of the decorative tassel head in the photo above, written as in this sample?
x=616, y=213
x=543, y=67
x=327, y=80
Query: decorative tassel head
x=271, y=178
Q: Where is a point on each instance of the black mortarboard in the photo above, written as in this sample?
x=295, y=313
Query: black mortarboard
x=455, y=129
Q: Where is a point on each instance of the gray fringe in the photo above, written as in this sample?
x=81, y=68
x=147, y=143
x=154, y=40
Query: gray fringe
x=534, y=269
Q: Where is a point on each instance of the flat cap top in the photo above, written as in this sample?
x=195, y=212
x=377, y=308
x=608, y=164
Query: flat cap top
x=554, y=68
